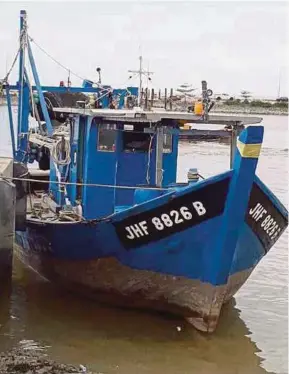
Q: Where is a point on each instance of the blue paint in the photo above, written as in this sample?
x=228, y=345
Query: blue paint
x=276, y=202
x=22, y=138
x=23, y=100
x=76, y=159
x=39, y=91
x=180, y=255
x=85, y=89
x=100, y=168
x=8, y=98
x=235, y=209
x=199, y=231
x=170, y=163
x=111, y=168
x=21, y=76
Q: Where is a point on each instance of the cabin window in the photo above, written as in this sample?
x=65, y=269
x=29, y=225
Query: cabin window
x=168, y=143
x=107, y=136
x=136, y=141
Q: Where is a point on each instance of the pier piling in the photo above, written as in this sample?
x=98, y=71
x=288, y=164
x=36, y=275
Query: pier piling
x=7, y=220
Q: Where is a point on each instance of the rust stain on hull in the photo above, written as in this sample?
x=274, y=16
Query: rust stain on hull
x=107, y=280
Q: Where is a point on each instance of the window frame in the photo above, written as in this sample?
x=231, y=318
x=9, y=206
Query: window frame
x=107, y=127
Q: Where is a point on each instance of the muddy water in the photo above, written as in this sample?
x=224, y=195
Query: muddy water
x=251, y=336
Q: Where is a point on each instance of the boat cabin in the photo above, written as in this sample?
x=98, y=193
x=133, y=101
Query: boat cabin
x=115, y=148
x=107, y=160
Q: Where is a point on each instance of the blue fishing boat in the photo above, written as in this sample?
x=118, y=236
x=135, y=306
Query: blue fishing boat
x=104, y=215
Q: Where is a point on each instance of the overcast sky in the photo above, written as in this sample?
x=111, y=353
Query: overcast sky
x=233, y=45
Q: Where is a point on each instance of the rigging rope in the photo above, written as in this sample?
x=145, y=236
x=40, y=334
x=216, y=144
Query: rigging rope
x=21, y=39
x=57, y=62
x=60, y=147
x=71, y=72
x=5, y=79
x=84, y=184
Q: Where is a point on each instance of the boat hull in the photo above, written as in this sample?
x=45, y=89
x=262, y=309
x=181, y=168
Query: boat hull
x=188, y=267
x=205, y=135
x=107, y=280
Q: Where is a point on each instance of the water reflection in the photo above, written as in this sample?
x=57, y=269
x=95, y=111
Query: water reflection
x=118, y=340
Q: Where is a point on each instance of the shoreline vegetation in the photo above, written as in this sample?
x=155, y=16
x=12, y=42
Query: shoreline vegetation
x=252, y=107
x=228, y=106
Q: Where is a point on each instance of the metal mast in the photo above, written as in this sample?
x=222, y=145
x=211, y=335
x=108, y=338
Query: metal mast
x=141, y=72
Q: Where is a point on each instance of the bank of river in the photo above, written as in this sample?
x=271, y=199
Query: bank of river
x=30, y=361
x=249, y=110
x=218, y=108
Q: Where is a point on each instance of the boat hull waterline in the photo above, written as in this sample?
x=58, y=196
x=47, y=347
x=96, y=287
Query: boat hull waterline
x=107, y=280
x=172, y=271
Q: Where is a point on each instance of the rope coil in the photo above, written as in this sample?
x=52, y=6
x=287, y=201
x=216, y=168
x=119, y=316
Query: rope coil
x=61, y=147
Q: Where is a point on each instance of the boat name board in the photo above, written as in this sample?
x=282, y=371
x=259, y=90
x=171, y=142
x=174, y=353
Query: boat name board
x=264, y=218
x=176, y=215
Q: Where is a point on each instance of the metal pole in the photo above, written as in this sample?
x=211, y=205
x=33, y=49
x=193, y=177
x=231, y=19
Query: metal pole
x=8, y=98
x=39, y=91
x=234, y=135
x=159, y=156
x=21, y=73
x=140, y=79
x=140, y=72
x=166, y=94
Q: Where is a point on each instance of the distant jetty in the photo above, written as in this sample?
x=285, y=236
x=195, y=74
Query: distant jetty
x=235, y=106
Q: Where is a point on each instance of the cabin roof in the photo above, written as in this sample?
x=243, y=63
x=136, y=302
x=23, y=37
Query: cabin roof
x=139, y=115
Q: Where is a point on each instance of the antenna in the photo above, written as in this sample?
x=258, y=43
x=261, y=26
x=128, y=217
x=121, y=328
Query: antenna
x=99, y=74
x=141, y=72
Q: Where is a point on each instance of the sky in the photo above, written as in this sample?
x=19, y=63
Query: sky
x=233, y=45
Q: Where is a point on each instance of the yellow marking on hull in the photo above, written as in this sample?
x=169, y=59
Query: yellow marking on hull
x=249, y=150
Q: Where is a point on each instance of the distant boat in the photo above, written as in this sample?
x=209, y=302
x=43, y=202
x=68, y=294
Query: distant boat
x=224, y=135
x=186, y=88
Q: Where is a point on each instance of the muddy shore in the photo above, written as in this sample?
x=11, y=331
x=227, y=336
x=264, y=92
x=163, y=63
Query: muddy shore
x=21, y=361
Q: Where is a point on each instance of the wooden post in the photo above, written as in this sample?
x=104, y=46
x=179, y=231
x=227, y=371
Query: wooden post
x=7, y=219
x=244, y=167
x=146, y=98
x=234, y=136
x=233, y=144
x=171, y=99
x=141, y=97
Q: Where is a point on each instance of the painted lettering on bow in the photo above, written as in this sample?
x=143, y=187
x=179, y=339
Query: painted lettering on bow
x=173, y=215
x=264, y=218
x=165, y=220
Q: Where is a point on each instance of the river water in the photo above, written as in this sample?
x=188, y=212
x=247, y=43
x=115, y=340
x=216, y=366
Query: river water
x=252, y=334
